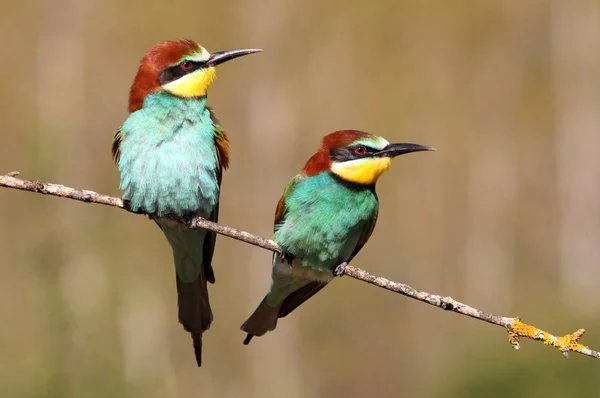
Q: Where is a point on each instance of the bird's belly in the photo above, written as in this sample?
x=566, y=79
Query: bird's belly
x=323, y=229
x=317, y=248
x=309, y=273
x=171, y=180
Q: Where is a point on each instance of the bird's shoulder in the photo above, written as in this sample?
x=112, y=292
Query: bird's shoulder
x=115, y=147
x=289, y=189
x=221, y=139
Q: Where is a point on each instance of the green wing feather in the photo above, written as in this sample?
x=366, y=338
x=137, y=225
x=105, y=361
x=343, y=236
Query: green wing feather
x=298, y=297
x=116, y=142
x=364, y=237
x=222, y=152
x=281, y=209
x=221, y=143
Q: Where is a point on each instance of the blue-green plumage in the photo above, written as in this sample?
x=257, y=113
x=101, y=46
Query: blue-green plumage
x=324, y=219
x=169, y=160
x=171, y=152
x=324, y=222
x=326, y=215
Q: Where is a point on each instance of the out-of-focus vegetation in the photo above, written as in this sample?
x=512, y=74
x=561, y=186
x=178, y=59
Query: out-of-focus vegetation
x=505, y=215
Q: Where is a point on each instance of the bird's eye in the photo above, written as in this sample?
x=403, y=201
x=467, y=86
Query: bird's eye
x=360, y=150
x=186, y=65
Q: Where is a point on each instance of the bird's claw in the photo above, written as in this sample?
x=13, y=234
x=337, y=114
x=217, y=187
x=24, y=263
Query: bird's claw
x=287, y=257
x=340, y=269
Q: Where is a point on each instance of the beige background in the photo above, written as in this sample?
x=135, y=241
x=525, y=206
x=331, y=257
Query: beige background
x=505, y=215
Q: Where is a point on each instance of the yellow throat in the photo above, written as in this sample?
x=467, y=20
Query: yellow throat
x=362, y=171
x=193, y=85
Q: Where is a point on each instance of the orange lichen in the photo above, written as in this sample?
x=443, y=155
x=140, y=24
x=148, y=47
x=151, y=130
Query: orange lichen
x=566, y=343
x=571, y=341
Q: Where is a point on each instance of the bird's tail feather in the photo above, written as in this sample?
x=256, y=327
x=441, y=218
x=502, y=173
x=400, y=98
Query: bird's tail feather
x=263, y=320
x=195, y=313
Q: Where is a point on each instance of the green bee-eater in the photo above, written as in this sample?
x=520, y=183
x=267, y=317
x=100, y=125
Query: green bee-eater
x=325, y=216
x=171, y=153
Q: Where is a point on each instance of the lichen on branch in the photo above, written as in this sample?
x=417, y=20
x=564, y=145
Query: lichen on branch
x=565, y=344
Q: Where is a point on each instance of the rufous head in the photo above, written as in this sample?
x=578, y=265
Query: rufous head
x=356, y=156
x=181, y=67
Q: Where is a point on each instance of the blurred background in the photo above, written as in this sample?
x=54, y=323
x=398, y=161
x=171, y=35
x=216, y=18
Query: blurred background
x=504, y=216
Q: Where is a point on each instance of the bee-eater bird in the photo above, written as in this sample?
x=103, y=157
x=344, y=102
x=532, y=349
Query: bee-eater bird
x=171, y=153
x=325, y=216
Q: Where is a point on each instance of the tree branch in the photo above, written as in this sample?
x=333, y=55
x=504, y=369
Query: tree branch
x=515, y=327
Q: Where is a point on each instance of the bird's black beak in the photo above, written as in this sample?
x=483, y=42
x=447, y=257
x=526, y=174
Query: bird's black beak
x=393, y=150
x=223, y=56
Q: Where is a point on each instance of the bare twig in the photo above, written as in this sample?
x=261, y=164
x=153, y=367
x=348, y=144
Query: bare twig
x=515, y=327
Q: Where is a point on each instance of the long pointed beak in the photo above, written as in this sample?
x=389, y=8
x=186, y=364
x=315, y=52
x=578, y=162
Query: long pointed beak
x=223, y=56
x=393, y=150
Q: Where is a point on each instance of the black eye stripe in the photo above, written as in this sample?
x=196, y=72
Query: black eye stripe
x=348, y=153
x=175, y=72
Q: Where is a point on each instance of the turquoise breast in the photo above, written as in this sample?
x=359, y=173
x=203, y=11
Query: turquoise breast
x=168, y=159
x=324, y=220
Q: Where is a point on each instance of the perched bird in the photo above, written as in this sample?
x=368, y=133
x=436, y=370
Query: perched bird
x=171, y=153
x=325, y=216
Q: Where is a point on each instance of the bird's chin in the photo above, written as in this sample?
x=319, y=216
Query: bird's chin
x=195, y=84
x=361, y=171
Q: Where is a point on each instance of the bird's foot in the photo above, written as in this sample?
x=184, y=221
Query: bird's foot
x=127, y=206
x=340, y=269
x=287, y=257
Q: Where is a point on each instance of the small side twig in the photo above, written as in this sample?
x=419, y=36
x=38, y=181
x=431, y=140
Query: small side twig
x=515, y=327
